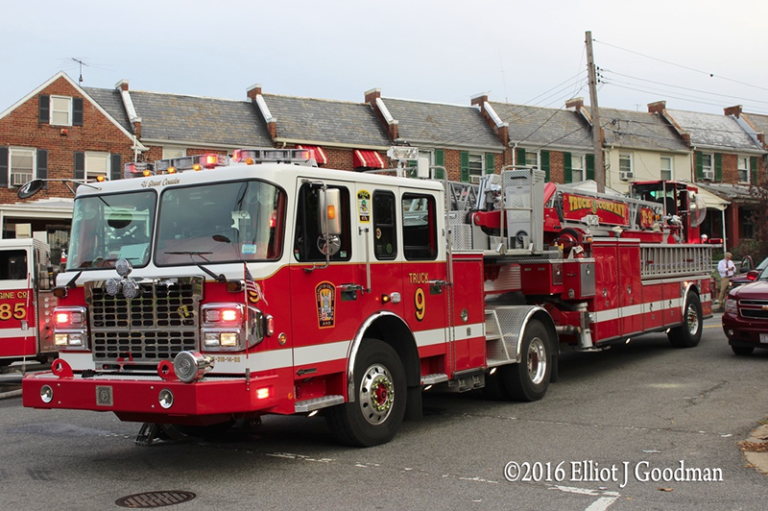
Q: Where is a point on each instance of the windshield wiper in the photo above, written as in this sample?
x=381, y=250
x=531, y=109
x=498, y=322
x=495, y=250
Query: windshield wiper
x=219, y=278
x=71, y=283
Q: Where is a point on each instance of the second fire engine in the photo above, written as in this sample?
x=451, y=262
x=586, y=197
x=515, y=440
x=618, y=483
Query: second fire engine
x=262, y=284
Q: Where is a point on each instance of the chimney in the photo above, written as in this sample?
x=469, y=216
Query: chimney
x=373, y=98
x=122, y=85
x=733, y=110
x=137, y=127
x=253, y=91
x=575, y=103
x=372, y=95
x=657, y=108
x=479, y=99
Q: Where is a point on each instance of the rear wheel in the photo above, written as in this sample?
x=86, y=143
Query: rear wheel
x=743, y=351
x=529, y=380
x=688, y=334
x=380, y=397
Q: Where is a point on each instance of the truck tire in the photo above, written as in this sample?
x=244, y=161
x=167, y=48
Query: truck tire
x=688, y=334
x=529, y=380
x=380, y=397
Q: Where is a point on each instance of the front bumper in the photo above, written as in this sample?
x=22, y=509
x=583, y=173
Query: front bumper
x=137, y=397
x=743, y=332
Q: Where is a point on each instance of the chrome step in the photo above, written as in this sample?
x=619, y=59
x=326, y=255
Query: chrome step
x=431, y=379
x=309, y=405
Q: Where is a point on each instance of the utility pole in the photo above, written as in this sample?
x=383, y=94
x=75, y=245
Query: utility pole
x=597, y=132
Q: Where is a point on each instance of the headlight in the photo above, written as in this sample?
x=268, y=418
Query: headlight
x=70, y=328
x=731, y=306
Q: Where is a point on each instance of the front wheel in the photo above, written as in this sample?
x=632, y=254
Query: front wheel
x=380, y=397
x=688, y=334
x=529, y=380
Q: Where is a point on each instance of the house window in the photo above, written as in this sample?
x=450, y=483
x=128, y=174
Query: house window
x=22, y=163
x=532, y=159
x=96, y=164
x=746, y=223
x=174, y=152
x=707, y=169
x=577, y=168
x=666, y=168
x=743, y=169
x=625, y=166
x=61, y=111
x=476, y=167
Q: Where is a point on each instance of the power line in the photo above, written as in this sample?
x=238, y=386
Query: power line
x=711, y=75
x=685, y=88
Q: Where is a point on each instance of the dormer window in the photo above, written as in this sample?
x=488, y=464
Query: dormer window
x=61, y=111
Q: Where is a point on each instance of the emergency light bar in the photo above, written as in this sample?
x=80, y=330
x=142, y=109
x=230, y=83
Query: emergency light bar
x=292, y=156
x=137, y=169
x=197, y=162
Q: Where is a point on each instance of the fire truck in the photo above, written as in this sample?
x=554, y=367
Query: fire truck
x=262, y=284
x=26, y=301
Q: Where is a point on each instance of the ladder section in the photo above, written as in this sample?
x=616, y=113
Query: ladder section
x=659, y=261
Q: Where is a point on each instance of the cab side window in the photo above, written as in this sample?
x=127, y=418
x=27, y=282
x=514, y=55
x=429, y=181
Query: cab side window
x=419, y=227
x=384, y=231
x=309, y=237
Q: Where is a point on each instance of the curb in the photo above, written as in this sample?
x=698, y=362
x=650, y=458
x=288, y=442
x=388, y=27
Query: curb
x=755, y=449
x=9, y=395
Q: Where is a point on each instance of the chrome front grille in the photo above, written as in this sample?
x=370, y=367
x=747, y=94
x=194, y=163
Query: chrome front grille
x=156, y=325
x=753, y=309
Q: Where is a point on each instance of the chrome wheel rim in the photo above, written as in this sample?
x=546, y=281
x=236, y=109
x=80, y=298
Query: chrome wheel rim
x=537, y=360
x=377, y=394
x=692, y=318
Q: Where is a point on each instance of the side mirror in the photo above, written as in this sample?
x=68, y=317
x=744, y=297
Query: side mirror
x=330, y=211
x=30, y=188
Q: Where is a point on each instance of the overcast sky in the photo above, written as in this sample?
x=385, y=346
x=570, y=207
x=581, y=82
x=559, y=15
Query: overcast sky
x=524, y=52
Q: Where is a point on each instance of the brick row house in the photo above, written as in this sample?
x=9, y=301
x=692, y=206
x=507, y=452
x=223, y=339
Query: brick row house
x=62, y=130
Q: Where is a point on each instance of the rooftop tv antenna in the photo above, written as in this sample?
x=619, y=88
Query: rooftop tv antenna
x=81, y=68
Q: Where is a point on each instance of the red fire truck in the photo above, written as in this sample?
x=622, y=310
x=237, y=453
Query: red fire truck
x=26, y=302
x=262, y=284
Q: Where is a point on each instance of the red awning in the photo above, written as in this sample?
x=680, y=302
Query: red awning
x=369, y=159
x=320, y=156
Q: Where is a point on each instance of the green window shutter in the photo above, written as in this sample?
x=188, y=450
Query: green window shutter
x=490, y=163
x=520, y=158
x=545, y=164
x=591, y=166
x=753, y=169
x=567, y=167
x=79, y=165
x=440, y=162
x=4, y=163
x=699, y=166
x=464, y=166
x=42, y=166
x=44, y=108
x=718, y=167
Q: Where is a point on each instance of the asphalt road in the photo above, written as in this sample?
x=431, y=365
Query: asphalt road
x=637, y=409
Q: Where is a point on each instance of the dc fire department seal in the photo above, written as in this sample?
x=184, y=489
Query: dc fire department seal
x=325, y=293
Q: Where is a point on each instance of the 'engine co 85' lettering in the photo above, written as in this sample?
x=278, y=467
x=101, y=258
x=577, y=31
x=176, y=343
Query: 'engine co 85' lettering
x=16, y=311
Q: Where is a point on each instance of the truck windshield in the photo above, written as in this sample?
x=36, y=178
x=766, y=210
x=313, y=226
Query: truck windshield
x=225, y=222
x=106, y=228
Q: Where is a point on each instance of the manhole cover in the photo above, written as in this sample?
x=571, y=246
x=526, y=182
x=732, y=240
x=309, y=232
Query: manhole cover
x=155, y=499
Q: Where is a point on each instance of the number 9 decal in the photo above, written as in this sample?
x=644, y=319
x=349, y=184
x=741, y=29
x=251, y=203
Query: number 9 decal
x=420, y=301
